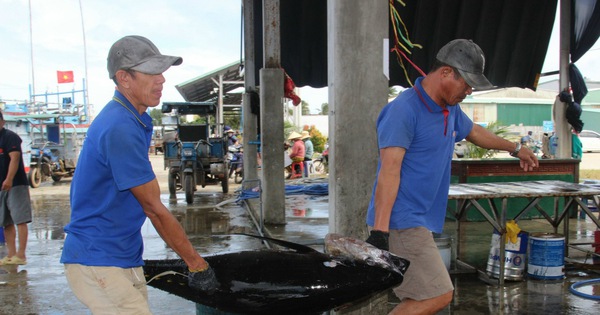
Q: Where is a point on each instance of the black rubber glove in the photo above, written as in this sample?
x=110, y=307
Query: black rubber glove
x=379, y=239
x=203, y=280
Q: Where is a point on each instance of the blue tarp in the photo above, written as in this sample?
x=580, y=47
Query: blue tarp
x=314, y=189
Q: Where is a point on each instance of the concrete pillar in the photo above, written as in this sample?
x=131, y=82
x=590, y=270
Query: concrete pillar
x=271, y=118
x=272, y=138
x=249, y=120
x=357, y=91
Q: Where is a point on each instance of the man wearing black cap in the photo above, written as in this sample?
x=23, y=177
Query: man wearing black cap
x=114, y=190
x=416, y=134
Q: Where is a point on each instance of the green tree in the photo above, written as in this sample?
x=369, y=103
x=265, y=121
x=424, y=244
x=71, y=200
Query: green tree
x=392, y=92
x=324, y=109
x=305, y=108
x=316, y=138
x=156, y=115
x=233, y=121
x=288, y=127
x=473, y=151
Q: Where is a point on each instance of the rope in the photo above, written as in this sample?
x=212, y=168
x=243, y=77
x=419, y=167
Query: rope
x=168, y=272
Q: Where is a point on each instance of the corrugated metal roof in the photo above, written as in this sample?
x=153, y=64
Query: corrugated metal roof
x=202, y=88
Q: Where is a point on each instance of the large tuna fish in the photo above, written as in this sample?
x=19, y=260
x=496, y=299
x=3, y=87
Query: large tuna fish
x=299, y=280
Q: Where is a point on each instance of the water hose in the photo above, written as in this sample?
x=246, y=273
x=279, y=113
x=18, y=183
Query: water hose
x=574, y=286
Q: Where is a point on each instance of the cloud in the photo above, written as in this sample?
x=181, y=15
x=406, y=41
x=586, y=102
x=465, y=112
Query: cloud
x=205, y=33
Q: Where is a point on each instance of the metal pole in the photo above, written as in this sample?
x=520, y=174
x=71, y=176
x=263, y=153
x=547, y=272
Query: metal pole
x=561, y=127
x=85, y=94
x=32, y=95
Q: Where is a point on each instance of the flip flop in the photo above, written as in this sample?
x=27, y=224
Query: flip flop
x=5, y=261
x=14, y=260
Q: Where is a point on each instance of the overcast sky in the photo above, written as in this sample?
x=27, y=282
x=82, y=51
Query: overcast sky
x=206, y=33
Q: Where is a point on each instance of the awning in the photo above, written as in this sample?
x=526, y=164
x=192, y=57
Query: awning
x=205, y=87
x=513, y=34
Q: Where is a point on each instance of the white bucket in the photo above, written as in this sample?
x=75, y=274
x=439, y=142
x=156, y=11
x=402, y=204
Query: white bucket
x=444, y=245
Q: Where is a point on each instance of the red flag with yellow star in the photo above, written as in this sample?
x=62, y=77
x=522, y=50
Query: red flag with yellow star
x=64, y=76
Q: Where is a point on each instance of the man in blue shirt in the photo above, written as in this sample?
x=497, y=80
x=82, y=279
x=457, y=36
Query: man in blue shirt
x=416, y=133
x=114, y=190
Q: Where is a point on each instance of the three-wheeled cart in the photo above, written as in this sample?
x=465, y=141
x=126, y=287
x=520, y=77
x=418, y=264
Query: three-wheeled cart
x=54, y=149
x=194, y=157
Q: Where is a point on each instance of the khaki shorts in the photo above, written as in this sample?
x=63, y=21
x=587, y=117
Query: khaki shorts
x=109, y=290
x=427, y=276
x=15, y=206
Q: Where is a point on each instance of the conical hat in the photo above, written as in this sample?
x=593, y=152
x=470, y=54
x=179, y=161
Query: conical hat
x=294, y=135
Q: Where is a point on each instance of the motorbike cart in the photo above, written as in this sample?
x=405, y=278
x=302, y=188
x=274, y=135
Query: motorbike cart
x=194, y=158
x=54, y=152
x=235, y=156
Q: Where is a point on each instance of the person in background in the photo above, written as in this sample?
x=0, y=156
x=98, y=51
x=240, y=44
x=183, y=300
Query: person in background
x=103, y=249
x=297, y=152
x=553, y=144
x=309, y=151
x=15, y=204
x=416, y=133
x=526, y=140
x=576, y=145
x=230, y=133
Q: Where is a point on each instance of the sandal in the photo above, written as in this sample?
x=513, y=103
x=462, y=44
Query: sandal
x=14, y=260
x=5, y=261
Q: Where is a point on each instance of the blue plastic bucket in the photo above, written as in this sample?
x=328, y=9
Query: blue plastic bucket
x=546, y=256
x=514, y=257
x=2, y=240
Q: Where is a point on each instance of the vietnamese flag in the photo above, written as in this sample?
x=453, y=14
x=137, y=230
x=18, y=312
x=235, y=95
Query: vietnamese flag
x=64, y=76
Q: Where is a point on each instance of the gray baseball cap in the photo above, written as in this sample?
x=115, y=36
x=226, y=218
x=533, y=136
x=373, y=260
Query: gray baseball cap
x=468, y=58
x=140, y=54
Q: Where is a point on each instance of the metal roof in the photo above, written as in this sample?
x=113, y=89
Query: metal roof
x=205, y=87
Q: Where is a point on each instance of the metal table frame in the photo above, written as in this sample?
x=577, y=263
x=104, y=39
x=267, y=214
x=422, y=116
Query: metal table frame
x=467, y=196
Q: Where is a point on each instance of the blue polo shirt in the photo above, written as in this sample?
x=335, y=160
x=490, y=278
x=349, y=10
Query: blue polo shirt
x=106, y=218
x=417, y=124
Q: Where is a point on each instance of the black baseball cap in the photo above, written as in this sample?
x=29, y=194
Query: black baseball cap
x=468, y=58
x=140, y=54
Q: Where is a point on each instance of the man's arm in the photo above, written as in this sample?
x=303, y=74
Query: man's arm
x=167, y=225
x=388, y=182
x=13, y=166
x=488, y=140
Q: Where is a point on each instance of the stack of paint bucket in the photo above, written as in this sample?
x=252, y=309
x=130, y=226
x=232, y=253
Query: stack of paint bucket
x=514, y=257
x=546, y=256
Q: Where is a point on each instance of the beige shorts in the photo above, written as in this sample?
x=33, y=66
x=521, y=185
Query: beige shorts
x=109, y=290
x=427, y=276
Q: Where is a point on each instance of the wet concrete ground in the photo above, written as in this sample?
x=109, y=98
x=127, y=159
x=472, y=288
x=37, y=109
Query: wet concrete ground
x=41, y=288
